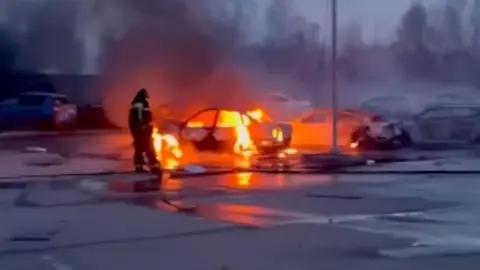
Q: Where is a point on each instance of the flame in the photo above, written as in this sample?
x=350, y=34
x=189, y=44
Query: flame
x=243, y=145
x=244, y=179
x=167, y=149
x=256, y=114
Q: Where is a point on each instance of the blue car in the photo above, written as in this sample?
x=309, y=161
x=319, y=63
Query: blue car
x=37, y=110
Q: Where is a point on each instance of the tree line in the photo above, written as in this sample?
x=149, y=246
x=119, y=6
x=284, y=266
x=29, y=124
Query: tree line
x=432, y=43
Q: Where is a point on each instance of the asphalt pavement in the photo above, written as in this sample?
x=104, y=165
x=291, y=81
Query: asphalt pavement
x=247, y=221
x=240, y=221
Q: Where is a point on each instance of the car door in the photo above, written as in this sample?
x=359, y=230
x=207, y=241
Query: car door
x=199, y=130
x=30, y=109
x=225, y=127
x=464, y=124
x=313, y=130
x=8, y=110
x=435, y=124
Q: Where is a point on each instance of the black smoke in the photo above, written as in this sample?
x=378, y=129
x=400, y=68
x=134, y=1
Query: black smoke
x=179, y=52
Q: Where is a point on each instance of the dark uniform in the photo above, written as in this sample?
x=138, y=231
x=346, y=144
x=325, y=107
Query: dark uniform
x=141, y=128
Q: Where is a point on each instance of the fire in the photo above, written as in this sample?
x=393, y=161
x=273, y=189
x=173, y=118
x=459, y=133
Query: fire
x=244, y=145
x=256, y=114
x=167, y=149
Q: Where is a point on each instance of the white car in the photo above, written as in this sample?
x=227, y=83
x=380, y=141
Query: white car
x=283, y=108
x=445, y=123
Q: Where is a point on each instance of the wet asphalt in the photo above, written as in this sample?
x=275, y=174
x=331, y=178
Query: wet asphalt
x=241, y=221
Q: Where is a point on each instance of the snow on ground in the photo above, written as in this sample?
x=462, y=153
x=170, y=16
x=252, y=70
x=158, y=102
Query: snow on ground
x=452, y=231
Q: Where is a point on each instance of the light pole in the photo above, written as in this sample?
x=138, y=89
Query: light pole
x=334, y=149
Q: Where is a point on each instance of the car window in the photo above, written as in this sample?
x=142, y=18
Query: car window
x=464, y=112
x=278, y=98
x=437, y=113
x=31, y=100
x=203, y=119
x=315, y=117
x=228, y=119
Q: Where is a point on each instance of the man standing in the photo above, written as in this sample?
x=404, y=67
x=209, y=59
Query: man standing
x=141, y=128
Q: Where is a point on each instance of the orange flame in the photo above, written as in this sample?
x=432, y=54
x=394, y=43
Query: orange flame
x=167, y=149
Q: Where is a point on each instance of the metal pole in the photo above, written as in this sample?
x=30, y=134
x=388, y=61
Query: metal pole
x=334, y=78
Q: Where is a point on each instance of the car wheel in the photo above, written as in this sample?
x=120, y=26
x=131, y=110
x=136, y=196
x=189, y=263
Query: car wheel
x=361, y=139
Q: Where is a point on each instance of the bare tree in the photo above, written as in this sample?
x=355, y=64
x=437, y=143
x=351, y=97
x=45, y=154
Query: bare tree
x=452, y=24
x=413, y=26
x=416, y=58
x=352, y=37
x=475, y=22
x=278, y=15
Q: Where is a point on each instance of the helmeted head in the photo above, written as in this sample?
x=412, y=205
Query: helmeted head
x=141, y=96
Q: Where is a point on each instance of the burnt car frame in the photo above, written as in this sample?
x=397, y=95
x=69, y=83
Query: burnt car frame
x=211, y=130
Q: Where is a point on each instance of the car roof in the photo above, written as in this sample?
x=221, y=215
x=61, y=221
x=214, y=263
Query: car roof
x=42, y=94
x=452, y=105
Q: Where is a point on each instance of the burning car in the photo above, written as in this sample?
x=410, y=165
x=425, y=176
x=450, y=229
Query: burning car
x=355, y=129
x=226, y=131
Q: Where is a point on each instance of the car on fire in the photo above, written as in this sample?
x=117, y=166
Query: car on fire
x=223, y=130
x=355, y=129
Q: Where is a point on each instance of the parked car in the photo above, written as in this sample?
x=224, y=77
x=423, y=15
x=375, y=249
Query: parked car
x=355, y=129
x=38, y=110
x=444, y=123
x=282, y=108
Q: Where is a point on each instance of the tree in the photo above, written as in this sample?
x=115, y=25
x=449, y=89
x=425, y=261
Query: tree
x=413, y=26
x=475, y=22
x=416, y=58
x=278, y=15
x=353, y=37
x=453, y=25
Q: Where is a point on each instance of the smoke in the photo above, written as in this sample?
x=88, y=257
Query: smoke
x=46, y=34
x=179, y=52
